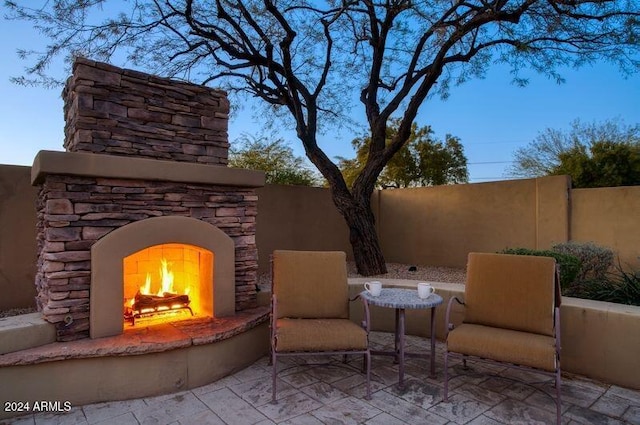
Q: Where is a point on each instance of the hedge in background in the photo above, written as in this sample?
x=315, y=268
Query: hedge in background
x=596, y=260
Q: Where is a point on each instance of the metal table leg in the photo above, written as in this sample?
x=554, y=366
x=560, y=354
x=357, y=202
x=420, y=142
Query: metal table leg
x=399, y=353
x=433, y=343
x=401, y=348
x=396, y=338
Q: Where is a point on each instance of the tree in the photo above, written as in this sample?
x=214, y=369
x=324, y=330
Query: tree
x=606, y=164
x=422, y=161
x=307, y=59
x=594, y=155
x=275, y=158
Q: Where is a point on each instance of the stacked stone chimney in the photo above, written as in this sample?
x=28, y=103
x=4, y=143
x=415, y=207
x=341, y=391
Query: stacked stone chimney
x=109, y=110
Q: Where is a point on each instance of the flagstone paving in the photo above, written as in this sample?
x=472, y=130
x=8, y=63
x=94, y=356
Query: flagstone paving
x=312, y=392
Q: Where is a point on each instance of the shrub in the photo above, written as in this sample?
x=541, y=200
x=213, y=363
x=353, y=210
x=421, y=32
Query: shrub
x=619, y=286
x=568, y=264
x=596, y=260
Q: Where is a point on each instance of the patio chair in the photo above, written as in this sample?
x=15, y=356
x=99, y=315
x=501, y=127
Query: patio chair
x=511, y=315
x=310, y=309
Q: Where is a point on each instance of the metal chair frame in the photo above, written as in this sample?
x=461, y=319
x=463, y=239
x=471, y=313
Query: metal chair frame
x=555, y=374
x=275, y=354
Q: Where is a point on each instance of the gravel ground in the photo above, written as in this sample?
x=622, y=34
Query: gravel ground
x=16, y=312
x=427, y=273
x=400, y=271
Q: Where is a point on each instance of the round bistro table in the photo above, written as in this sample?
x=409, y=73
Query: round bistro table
x=400, y=300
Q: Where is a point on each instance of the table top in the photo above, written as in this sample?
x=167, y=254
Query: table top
x=401, y=298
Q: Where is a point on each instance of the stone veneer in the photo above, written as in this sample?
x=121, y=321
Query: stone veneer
x=118, y=111
x=124, y=132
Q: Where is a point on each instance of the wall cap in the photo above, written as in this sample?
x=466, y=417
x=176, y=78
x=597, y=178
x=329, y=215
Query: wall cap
x=119, y=167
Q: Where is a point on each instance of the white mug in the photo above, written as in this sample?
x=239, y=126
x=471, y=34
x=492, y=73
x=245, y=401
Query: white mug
x=373, y=287
x=424, y=290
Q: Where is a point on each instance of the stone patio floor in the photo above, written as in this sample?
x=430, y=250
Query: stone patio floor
x=321, y=393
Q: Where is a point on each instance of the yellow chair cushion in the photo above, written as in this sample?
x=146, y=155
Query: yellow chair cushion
x=295, y=335
x=311, y=284
x=510, y=291
x=521, y=348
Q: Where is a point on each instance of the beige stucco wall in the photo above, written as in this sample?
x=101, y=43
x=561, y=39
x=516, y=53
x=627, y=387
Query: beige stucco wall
x=609, y=216
x=600, y=340
x=297, y=217
x=17, y=237
x=441, y=225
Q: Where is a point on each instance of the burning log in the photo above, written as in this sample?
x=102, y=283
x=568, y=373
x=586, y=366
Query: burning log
x=147, y=305
x=154, y=301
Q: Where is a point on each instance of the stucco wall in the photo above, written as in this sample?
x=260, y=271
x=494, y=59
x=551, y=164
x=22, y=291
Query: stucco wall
x=17, y=237
x=609, y=216
x=297, y=217
x=441, y=225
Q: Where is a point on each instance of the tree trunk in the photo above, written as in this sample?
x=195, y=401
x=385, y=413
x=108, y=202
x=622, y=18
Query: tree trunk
x=354, y=205
x=362, y=234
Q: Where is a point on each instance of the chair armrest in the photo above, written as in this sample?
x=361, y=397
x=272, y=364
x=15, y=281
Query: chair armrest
x=448, y=325
x=366, y=322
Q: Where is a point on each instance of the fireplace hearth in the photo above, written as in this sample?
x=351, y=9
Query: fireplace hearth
x=143, y=189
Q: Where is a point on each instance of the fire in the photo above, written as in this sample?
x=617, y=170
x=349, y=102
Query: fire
x=146, y=289
x=166, y=281
x=166, y=278
x=162, y=299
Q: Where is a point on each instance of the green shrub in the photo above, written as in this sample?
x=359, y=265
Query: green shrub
x=568, y=264
x=619, y=286
x=596, y=260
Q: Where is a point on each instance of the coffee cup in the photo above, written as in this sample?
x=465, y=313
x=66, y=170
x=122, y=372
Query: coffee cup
x=424, y=290
x=373, y=287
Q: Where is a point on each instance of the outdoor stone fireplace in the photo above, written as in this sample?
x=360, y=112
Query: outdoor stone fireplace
x=141, y=217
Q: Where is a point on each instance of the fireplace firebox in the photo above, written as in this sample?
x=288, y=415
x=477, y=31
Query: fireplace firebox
x=165, y=281
x=192, y=250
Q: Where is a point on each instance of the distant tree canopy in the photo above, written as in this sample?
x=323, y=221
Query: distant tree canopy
x=594, y=155
x=604, y=164
x=423, y=161
x=275, y=158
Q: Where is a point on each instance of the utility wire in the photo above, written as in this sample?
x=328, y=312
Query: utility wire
x=490, y=162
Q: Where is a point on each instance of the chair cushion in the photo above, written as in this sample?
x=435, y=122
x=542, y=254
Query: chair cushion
x=521, y=348
x=293, y=335
x=510, y=291
x=311, y=284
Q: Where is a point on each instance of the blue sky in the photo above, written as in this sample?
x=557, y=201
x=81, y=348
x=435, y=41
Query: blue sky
x=491, y=116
